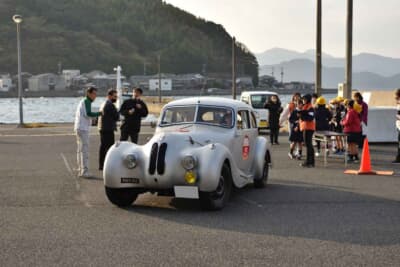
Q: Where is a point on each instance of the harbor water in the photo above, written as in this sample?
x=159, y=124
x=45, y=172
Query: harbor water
x=61, y=109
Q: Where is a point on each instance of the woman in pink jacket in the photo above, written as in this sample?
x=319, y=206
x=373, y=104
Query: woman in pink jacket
x=352, y=127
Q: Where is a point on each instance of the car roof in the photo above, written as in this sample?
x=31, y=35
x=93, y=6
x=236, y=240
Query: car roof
x=259, y=93
x=206, y=100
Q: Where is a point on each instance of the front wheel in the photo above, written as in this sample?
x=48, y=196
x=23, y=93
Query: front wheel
x=217, y=199
x=261, y=183
x=121, y=197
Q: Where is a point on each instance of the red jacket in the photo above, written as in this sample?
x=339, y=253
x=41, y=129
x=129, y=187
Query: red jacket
x=352, y=122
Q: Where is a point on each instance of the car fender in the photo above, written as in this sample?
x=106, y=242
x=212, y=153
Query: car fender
x=262, y=153
x=211, y=158
x=115, y=169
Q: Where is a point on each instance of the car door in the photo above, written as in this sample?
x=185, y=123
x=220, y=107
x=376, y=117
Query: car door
x=244, y=141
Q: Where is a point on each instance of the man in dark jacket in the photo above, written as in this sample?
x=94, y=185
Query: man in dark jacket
x=107, y=125
x=133, y=111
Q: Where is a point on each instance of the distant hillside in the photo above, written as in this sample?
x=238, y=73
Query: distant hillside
x=364, y=62
x=304, y=70
x=99, y=34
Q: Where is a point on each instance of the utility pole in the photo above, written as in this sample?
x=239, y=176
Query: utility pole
x=159, y=78
x=18, y=20
x=144, y=67
x=318, y=54
x=349, y=51
x=282, y=73
x=59, y=68
x=234, y=68
x=272, y=72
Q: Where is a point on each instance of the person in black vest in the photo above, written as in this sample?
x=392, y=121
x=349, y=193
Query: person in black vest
x=133, y=111
x=107, y=125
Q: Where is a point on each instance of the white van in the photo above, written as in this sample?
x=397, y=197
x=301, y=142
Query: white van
x=257, y=99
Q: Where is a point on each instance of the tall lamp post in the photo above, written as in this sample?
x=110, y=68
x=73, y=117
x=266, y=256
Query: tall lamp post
x=234, y=68
x=18, y=20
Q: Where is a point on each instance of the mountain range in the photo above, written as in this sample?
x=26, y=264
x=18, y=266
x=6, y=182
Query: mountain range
x=370, y=71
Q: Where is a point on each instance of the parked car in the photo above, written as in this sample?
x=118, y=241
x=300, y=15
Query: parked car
x=257, y=99
x=201, y=149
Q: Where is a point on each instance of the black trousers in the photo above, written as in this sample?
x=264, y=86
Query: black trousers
x=398, y=147
x=273, y=134
x=310, y=149
x=133, y=135
x=107, y=139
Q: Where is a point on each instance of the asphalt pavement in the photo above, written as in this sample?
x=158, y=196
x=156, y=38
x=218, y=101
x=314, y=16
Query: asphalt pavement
x=305, y=217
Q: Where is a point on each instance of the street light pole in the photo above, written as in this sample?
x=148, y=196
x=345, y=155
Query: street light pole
x=234, y=68
x=18, y=19
x=349, y=50
x=318, y=54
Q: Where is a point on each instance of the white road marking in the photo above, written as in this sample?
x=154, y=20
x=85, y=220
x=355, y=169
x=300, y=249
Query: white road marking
x=251, y=202
x=77, y=185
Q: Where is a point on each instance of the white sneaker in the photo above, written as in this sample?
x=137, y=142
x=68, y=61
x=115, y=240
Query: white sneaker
x=290, y=155
x=317, y=154
x=86, y=175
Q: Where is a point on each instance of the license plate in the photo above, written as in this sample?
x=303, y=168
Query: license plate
x=263, y=124
x=191, y=192
x=129, y=180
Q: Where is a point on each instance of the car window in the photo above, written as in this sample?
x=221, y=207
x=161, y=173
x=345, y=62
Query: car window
x=176, y=115
x=219, y=116
x=243, y=120
x=258, y=101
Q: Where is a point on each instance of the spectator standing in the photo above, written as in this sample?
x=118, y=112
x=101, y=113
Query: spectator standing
x=83, y=121
x=352, y=127
x=133, y=110
x=357, y=97
x=307, y=125
x=275, y=109
x=397, y=97
x=296, y=135
x=338, y=113
x=322, y=118
x=107, y=125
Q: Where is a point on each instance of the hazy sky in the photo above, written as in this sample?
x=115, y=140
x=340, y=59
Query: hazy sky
x=264, y=24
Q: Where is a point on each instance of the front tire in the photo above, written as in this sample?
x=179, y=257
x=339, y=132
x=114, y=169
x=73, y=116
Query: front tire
x=217, y=199
x=261, y=183
x=121, y=197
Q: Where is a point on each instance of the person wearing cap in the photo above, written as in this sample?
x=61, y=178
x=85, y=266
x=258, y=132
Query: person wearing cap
x=307, y=125
x=397, y=97
x=322, y=118
x=352, y=127
x=338, y=112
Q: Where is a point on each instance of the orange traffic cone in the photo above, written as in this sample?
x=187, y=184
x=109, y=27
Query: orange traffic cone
x=365, y=166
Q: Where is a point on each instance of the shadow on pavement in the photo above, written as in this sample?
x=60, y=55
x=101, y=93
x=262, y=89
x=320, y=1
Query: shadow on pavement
x=287, y=210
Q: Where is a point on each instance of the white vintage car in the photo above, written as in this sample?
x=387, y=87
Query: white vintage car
x=201, y=149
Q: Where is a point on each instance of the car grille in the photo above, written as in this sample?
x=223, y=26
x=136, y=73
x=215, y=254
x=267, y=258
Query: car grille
x=157, y=158
x=161, y=159
x=153, y=158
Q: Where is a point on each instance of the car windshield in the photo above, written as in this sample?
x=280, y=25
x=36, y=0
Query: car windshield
x=258, y=101
x=218, y=116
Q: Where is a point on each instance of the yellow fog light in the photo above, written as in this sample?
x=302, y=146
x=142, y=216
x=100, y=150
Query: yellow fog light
x=190, y=177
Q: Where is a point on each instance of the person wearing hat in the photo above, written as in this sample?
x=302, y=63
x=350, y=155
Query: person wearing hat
x=338, y=113
x=307, y=125
x=322, y=118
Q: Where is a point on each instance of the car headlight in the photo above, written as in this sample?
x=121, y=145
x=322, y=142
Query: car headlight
x=189, y=163
x=131, y=161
